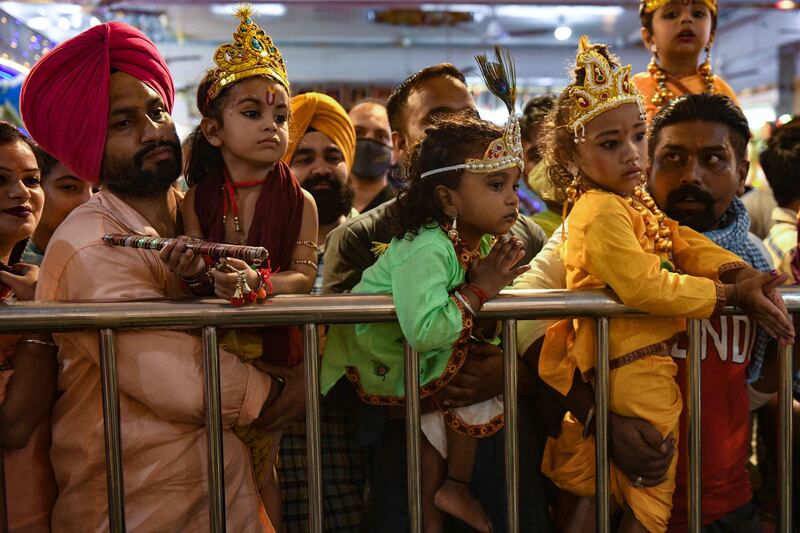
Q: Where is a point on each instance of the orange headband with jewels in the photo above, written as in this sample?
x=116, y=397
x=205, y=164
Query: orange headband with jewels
x=649, y=6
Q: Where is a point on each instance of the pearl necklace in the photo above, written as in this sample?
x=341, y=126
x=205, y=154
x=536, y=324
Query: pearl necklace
x=664, y=94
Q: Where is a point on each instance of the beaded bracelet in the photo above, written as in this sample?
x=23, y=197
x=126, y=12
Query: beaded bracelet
x=479, y=293
x=202, y=280
x=312, y=264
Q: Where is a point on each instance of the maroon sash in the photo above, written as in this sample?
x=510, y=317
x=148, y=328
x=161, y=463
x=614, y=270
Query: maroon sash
x=276, y=227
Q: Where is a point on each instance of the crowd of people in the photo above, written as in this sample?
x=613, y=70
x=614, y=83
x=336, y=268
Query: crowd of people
x=627, y=182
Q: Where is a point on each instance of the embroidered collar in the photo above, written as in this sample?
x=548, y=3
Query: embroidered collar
x=463, y=253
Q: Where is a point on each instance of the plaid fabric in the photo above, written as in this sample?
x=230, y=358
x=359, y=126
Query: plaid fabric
x=343, y=474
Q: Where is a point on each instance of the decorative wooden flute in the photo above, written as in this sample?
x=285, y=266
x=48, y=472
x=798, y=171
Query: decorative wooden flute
x=254, y=255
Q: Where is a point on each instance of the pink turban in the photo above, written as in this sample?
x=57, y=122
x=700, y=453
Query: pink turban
x=64, y=100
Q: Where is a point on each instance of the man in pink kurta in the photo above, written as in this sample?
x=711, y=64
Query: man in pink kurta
x=160, y=372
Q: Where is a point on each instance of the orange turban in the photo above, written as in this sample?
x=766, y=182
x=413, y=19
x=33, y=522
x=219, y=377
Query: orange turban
x=64, y=100
x=327, y=116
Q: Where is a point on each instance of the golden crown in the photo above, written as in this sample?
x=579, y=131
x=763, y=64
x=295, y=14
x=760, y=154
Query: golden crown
x=649, y=6
x=252, y=53
x=603, y=88
x=506, y=151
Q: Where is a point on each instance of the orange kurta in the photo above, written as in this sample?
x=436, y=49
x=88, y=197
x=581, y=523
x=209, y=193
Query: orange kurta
x=607, y=246
x=161, y=392
x=648, y=87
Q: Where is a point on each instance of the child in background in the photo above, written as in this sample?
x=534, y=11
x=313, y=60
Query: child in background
x=242, y=193
x=676, y=32
x=440, y=268
x=616, y=237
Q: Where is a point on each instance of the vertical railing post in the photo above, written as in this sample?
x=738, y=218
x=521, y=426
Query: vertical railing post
x=216, y=474
x=694, y=427
x=313, y=438
x=785, y=438
x=601, y=426
x=111, y=429
x=511, y=428
x=414, y=465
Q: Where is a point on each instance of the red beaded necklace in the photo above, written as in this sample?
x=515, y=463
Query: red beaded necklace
x=229, y=197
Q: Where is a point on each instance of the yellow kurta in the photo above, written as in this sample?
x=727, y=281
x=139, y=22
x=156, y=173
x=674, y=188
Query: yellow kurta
x=608, y=247
x=647, y=87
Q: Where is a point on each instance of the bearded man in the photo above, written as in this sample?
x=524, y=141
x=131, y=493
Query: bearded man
x=100, y=103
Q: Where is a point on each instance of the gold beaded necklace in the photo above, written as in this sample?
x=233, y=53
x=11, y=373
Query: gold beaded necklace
x=664, y=94
x=655, y=224
x=656, y=227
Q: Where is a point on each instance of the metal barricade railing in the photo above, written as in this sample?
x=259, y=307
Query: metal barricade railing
x=309, y=311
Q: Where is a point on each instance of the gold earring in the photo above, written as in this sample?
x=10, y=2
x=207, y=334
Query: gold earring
x=453, y=231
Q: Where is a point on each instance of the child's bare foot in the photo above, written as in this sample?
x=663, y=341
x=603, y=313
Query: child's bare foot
x=456, y=499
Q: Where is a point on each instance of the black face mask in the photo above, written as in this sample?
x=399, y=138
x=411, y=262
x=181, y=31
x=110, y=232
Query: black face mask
x=373, y=159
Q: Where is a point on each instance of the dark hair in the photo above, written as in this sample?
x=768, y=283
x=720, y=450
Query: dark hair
x=448, y=141
x=204, y=159
x=397, y=100
x=47, y=163
x=556, y=140
x=713, y=108
x=534, y=113
x=646, y=19
x=781, y=163
x=10, y=134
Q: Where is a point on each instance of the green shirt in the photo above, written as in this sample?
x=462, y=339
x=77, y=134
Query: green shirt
x=421, y=274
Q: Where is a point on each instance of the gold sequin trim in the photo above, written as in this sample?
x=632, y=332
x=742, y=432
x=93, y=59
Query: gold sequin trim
x=454, y=364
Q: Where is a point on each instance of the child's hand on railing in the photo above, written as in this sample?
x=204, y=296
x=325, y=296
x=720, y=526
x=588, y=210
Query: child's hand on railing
x=757, y=296
x=226, y=277
x=182, y=261
x=496, y=271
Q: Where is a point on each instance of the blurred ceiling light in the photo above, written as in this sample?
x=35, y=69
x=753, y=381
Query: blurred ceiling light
x=544, y=12
x=563, y=33
x=39, y=23
x=8, y=63
x=63, y=23
x=263, y=9
x=785, y=4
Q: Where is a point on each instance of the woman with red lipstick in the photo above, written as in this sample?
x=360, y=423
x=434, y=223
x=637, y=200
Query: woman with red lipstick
x=616, y=237
x=27, y=362
x=677, y=32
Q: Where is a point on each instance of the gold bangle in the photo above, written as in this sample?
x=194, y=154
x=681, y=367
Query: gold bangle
x=312, y=264
x=37, y=341
x=310, y=244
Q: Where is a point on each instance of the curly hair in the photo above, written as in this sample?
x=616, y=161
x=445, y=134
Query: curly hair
x=448, y=141
x=204, y=159
x=556, y=140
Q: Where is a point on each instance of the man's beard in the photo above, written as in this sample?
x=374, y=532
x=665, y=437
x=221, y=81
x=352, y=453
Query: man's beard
x=699, y=220
x=129, y=178
x=334, y=201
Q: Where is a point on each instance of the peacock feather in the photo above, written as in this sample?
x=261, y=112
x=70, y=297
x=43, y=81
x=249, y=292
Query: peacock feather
x=500, y=76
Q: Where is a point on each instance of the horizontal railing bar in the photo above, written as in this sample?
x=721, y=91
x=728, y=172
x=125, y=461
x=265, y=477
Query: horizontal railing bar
x=301, y=309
